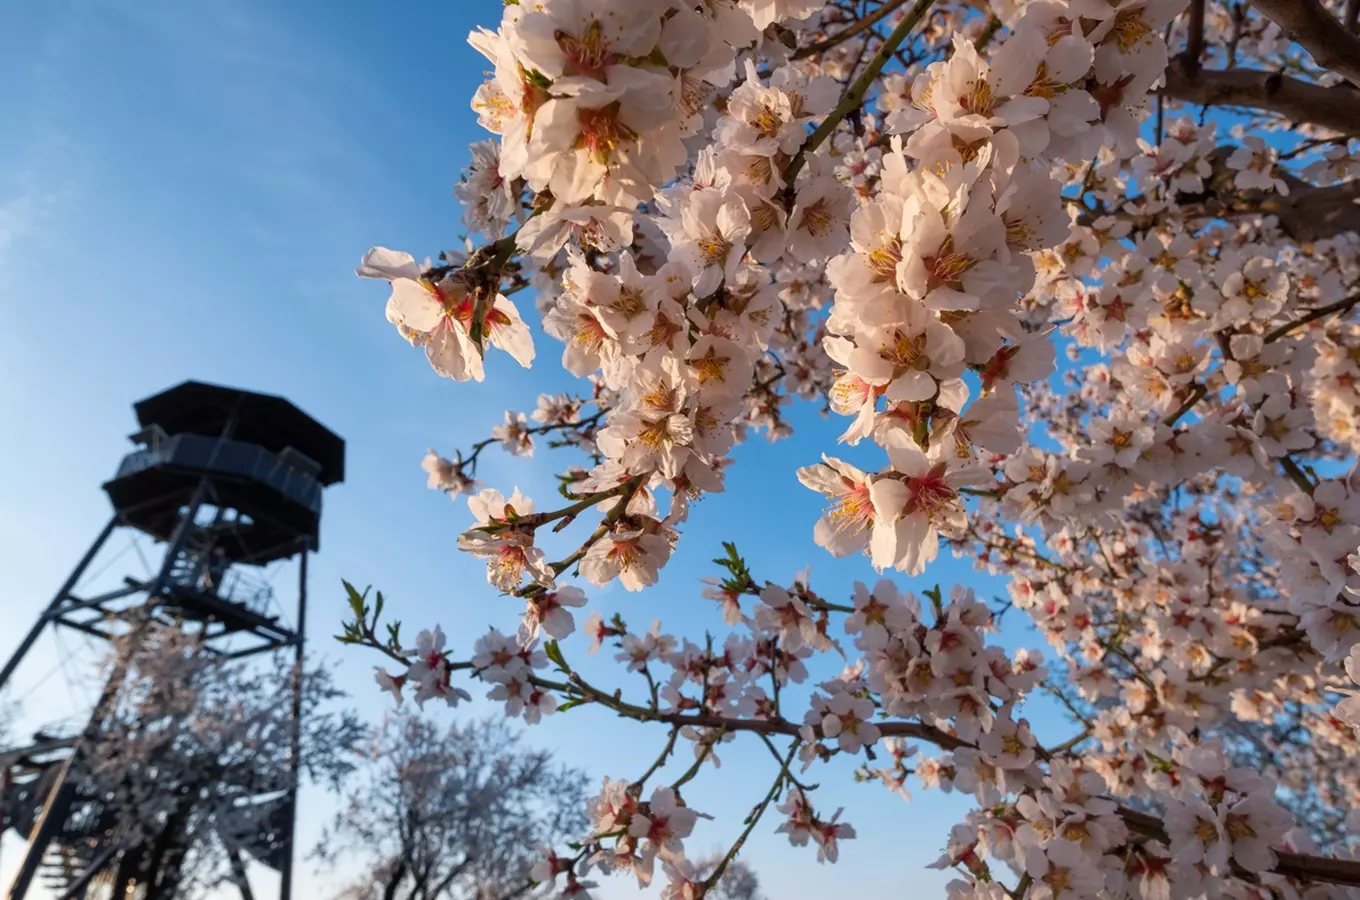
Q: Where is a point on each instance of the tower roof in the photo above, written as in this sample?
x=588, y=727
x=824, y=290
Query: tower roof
x=266, y=420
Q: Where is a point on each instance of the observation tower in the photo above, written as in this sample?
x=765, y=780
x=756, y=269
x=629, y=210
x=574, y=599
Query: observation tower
x=223, y=482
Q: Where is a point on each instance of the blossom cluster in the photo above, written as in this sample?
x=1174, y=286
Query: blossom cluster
x=1100, y=347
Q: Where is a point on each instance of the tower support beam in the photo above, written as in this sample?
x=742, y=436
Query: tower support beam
x=54, y=608
x=58, y=803
x=295, y=749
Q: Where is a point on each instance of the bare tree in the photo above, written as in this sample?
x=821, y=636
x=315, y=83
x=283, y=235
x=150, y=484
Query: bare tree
x=452, y=813
x=737, y=882
x=9, y=712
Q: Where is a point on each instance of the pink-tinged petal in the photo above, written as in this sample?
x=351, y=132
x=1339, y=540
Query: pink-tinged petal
x=452, y=355
x=415, y=305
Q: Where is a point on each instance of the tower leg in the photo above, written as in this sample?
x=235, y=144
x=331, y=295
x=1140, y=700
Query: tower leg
x=58, y=803
x=27, y=643
x=295, y=752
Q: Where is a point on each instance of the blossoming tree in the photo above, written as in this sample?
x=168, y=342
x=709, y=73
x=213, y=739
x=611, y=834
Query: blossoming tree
x=450, y=813
x=909, y=211
x=193, y=764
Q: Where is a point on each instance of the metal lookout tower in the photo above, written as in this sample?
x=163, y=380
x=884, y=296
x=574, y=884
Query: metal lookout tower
x=225, y=481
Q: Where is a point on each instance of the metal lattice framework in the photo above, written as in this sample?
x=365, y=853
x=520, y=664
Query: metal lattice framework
x=226, y=481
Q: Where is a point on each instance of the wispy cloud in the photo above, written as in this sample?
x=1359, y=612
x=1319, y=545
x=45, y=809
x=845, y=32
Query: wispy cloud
x=34, y=201
x=37, y=177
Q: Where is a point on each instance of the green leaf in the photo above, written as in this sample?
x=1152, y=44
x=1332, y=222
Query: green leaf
x=477, y=328
x=356, y=599
x=554, y=653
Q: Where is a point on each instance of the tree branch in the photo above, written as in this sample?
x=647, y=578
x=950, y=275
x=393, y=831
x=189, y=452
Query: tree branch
x=1311, y=26
x=238, y=872
x=1312, y=316
x=1194, y=39
x=1307, y=213
x=854, y=97
x=1336, y=107
x=578, y=686
x=751, y=821
x=860, y=26
x=1295, y=865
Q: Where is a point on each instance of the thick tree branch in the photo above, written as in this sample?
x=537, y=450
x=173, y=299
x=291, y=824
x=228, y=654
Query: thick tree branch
x=1299, y=101
x=1295, y=865
x=1311, y=26
x=1307, y=213
x=1194, y=39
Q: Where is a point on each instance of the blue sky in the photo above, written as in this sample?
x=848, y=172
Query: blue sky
x=185, y=189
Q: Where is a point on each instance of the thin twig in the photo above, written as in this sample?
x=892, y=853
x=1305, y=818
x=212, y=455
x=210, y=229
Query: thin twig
x=854, y=97
x=1312, y=316
x=840, y=37
x=751, y=822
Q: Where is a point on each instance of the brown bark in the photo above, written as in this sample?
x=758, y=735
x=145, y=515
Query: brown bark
x=1312, y=27
x=1305, y=868
x=1194, y=38
x=1299, y=101
x=1309, y=213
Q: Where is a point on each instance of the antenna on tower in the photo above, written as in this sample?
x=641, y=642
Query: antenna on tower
x=227, y=481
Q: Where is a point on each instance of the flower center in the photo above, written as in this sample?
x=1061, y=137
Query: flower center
x=884, y=258
x=590, y=334
x=509, y=562
x=587, y=54
x=657, y=434
x=930, y=493
x=710, y=367
x=713, y=247
x=979, y=98
x=816, y=219
x=625, y=553
x=946, y=267
x=764, y=217
x=853, y=511
x=1129, y=28
x=600, y=132
x=661, y=397
x=1043, y=86
x=850, y=392
x=768, y=121
x=909, y=352
x=694, y=93
x=630, y=303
